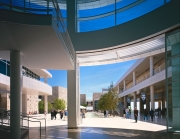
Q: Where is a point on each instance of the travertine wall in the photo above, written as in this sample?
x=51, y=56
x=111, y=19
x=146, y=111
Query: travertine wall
x=82, y=99
x=58, y=92
x=96, y=96
x=32, y=103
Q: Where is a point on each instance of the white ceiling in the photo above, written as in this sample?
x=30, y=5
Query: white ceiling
x=41, y=47
x=135, y=51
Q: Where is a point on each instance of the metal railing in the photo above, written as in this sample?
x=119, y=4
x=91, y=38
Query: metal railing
x=24, y=122
x=48, y=7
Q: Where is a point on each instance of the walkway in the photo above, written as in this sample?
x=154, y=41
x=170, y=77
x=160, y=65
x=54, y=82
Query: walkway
x=103, y=128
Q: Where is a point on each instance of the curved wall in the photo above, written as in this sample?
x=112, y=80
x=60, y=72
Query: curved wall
x=153, y=23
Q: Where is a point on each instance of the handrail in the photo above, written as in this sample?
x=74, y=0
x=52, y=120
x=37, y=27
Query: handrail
x=5, y=118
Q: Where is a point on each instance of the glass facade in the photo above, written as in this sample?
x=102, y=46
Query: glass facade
x=173, y=80
x=5, y=70
x=104, y=14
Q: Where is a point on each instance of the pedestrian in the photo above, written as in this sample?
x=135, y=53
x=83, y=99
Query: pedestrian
x=55, y=113
x=127, y=113
x=61, y=114
x=124, y=113
x=104, y=113
x=151, y=114
x=145, y=115
x=135, y=114
x=45, y=114
x=65, y=115
x=52, y=114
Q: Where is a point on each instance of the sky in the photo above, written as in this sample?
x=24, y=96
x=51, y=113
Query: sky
x=92, y=78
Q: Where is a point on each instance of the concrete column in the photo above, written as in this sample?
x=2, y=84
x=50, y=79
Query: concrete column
x=151, y=65
x=135, y=100
x=125, y=101
x=45, y=80
x=124, y=85
x=24, y=103
x=78, y=93
x=134, y=78
x=15, y=92
x=72, y=97
x=46, y=103
x=147, y=103
x=152, y=96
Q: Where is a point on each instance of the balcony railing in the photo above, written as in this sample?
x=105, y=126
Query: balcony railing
x=146, y=76
x=44, y=7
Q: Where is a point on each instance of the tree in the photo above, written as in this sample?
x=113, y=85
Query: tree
x=110, y=100
x=59, y=104
x=85, y=105
x=50, y=106
x=41, y=106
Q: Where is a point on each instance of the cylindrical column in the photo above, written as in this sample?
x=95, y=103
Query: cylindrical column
x=46, y=103
x=152, y=96
x=135, y=100
x=72, y=98
x=24, y=103
x=124, y=85
x=15, y=92
x=45, y=80
x=151, y=65
x=134, y=78
x=125, y=101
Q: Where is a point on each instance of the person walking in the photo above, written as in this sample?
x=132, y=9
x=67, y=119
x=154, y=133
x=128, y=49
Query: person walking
x=55, y=113
x=52, y=114
x=145, y=115
x=127, y=113
x=135, y=114
x=151, y=114
x=124, y=113
x=104, y=113
x=61, y=114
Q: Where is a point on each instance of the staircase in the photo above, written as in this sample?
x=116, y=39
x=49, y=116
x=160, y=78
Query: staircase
x=120, y=108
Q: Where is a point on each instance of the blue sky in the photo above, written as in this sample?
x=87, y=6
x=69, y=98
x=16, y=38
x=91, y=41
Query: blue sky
x=92, y=78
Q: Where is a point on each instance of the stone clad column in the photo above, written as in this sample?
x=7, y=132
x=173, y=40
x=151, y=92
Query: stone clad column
x=15, y=92
x=151, y=66
x=152, y=96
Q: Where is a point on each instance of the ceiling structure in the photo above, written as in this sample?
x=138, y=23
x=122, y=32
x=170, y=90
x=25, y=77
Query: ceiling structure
x=142, y=49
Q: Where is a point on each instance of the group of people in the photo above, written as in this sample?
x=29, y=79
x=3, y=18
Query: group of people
x=151, y=113
x=127, y=112
x=61, y=113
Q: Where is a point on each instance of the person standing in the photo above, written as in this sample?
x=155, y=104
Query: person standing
x=151, y=114
x=145, y=115
x=127, y=113
x=124, y=113
x=135, y=114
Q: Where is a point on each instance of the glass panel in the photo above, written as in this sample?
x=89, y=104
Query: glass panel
x=96, y=24
x=139, y=10
x=96, y=11
x=123, y=3
x=173, y=80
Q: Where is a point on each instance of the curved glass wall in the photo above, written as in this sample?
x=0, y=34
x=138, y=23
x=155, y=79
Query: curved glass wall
x=173, y=80
x=107, y=13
